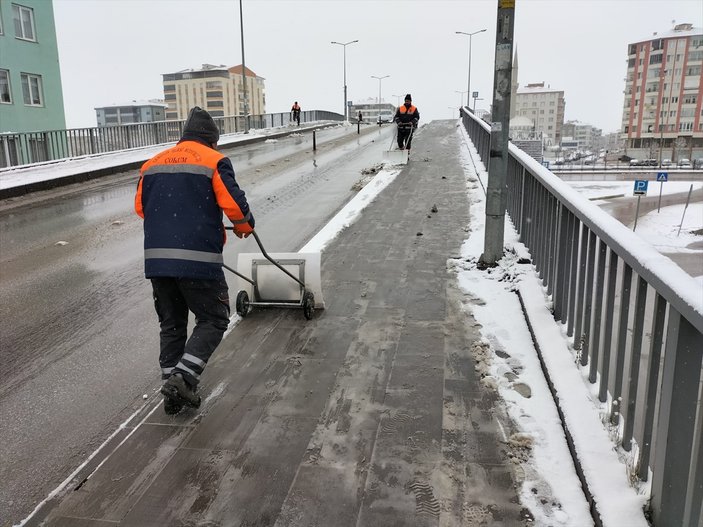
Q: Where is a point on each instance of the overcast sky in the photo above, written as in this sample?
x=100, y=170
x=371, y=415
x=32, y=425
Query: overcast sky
x=113, y=51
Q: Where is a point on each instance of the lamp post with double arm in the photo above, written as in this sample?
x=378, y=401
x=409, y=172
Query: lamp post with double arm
x=344, y=45
x=468, y=86
x=379, y=95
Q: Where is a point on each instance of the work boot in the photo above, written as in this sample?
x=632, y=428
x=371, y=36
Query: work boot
x=172, y=406
x=177, y=388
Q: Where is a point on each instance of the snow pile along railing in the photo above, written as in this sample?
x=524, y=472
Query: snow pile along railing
x=643, y=352
x=24, y=148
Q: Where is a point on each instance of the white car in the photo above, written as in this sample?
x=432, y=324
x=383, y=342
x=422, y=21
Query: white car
x=684, y=163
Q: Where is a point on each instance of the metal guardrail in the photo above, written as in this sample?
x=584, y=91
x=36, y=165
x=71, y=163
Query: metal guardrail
x=644, y=353
x=24, y=148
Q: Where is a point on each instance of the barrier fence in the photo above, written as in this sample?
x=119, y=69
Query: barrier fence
x=24, y=148
x=636, y=320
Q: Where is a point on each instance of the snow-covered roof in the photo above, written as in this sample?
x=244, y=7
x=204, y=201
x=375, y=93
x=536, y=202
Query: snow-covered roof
x=684, y=30
x=537, y=89
x=133, y=104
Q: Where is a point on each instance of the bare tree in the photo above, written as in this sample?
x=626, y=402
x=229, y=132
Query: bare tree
x=680, y=145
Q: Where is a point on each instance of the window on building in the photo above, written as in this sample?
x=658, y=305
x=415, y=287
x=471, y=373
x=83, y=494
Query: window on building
x=2, y=30
x=674, y=100
x=24, y=22
x=655, y=59
x=5, y=93
x=690, y=99
x=693, y=70
x=32, y=90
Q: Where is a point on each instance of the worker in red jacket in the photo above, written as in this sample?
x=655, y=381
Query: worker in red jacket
x=182, y=194
x=406, y=117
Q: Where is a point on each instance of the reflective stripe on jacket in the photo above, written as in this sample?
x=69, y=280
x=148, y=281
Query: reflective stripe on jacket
x=181, y=195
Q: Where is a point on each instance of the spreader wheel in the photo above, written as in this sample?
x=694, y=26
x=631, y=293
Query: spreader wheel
x=308, y=304
x=242, y=304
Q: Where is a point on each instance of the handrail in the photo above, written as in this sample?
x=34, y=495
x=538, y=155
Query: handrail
x=25, y=148
x=599, y=275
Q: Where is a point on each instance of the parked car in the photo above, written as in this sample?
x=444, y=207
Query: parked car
x=684, y=163
x=624, y=158
x=385, y=117
x=698, y=163
x=635, y=162
x=666, y=163
x=650, y=163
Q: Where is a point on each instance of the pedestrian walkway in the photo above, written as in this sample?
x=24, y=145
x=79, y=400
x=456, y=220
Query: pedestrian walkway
x=369, y=415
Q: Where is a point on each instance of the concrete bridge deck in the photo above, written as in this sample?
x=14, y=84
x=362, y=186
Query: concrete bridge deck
x=371, y=414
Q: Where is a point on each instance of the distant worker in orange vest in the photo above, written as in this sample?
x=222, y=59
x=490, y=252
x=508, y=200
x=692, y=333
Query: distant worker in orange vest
x=406, y=117
x=296, y=112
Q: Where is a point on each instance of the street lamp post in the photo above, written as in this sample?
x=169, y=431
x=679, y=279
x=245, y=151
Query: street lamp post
x=460, y=95
x=468, y=86
x=244, y=72
x=379, y=95
x=344, y=45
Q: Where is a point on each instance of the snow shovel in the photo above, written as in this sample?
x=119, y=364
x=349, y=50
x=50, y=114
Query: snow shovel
x=278, y=280
x=396, y=157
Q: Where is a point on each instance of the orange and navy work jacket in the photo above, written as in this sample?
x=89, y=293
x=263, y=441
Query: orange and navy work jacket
x=181, y=195
x=406, y=116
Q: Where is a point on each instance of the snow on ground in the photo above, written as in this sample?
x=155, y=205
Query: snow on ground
x=661, y=229
x=515, y=369
x=598, y=189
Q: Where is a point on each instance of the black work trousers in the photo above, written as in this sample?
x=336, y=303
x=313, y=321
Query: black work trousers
x=208, y=300
x=405, y=137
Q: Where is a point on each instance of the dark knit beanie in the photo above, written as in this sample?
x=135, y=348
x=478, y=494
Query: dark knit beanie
x=199, y=124
x=408, y=97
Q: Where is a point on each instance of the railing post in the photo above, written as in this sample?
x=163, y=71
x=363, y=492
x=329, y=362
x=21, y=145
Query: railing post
x=314, y=141
x=608, y=329
x=588, y=298
x=675, y=433
x=652, y=385
x=635, y=355
x=595, y=334
x=622, y=339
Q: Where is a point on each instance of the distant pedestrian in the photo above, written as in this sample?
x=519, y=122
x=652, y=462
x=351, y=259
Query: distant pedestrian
x=361, y=117
x=181, y=195
x=406, y=117
x=295, y=109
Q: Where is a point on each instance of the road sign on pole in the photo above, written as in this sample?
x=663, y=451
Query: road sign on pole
x=640, y=187
x=661, y=177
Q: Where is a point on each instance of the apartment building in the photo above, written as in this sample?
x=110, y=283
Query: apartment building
x=545, y=107
x=131, y=112
x=31, y=97
x=217, y=89
x=587, y=136
x=662, y=116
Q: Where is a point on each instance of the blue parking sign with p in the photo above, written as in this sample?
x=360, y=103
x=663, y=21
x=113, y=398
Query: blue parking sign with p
x=662, y=176
x=640, y=187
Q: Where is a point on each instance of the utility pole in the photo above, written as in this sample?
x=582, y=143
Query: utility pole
x=496, y=192
x=244, y=72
